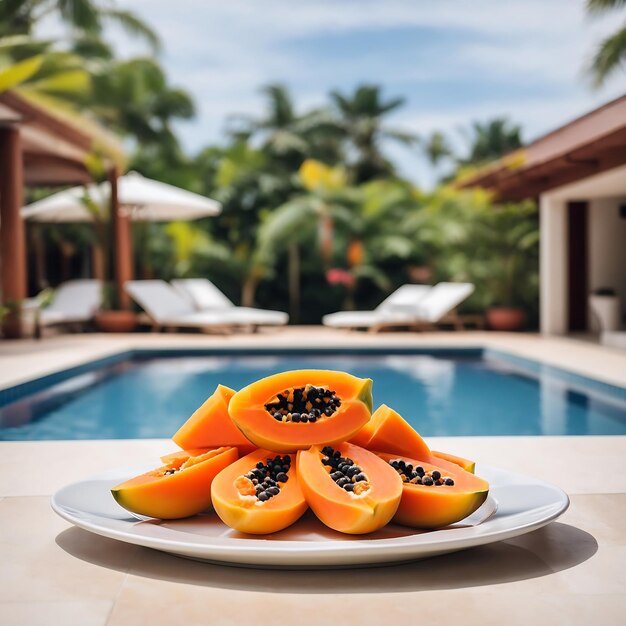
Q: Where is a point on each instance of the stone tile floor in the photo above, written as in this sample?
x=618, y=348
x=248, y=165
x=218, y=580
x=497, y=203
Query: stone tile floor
x=571, y=572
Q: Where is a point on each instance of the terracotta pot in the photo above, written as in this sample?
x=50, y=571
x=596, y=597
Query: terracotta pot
x=505, y=318
x=115, y=321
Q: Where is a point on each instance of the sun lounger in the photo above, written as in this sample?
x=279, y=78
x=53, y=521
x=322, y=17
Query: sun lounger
x=441, y=301
x=75, y=301
x=205, y=296
x=398, y=309
x=166, y=307
x=410, y=305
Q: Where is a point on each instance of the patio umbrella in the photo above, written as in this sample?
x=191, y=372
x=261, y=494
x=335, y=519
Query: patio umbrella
x=141, y=199
x=137, y=199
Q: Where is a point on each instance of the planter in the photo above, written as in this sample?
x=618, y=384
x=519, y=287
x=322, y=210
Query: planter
x=505, y=318
x=21, y=323
x=115, y=321
x=606, y=313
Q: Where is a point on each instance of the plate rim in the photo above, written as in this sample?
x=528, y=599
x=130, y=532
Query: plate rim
x=356, y=551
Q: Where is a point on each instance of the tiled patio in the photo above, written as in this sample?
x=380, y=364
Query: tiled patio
x=571, y=572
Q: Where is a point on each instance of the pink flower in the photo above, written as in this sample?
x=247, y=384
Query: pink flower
x=338, y=276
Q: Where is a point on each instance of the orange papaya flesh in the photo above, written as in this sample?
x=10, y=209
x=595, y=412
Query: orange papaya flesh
x=294, y=410
x=210, y=425
x=388, y=431
x=173, y=457
x=466, y=464
x=355, y=492
x=180, y=488
x=438, y=504
x=247, y=501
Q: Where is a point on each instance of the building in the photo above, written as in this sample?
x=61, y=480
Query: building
x=41, y=147
x=578, y=175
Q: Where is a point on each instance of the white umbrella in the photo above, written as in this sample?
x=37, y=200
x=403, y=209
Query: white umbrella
x=143, y=199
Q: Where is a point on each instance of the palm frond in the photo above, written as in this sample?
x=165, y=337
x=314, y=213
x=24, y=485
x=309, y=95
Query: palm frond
x=82, y=14
x=19, y=72
x=133, y=26
x=600, y=6
x=610, y=56
x=74, y=81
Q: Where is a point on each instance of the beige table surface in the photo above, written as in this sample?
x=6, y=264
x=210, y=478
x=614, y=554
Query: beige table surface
x=571, y=572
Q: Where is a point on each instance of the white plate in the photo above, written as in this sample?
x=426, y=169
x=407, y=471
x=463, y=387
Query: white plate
x=516, y=505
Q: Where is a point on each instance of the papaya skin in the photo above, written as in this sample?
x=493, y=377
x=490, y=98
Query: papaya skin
x=432, y=507
x=244, y=515
x=341, y=510
x=466, y=464
x=247, y=410
x=210, y=425
x=182, y=494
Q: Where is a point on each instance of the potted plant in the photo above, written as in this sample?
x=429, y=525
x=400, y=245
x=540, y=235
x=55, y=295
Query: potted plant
x=111, y=318
x=500, y=256
x=605, y=307
x=19, y=318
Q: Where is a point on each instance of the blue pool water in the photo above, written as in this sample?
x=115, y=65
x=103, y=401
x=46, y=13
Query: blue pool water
x=464, y=393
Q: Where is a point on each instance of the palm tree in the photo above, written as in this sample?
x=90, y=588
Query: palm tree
x=361, y=120
x=40, y=71
x=306, y=217
x=611, y=53
x=284, y=134
x=490, y=140
x=82, y=16
x=134, y=97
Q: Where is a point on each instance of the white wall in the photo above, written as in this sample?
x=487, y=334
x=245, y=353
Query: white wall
x=552, y=265
x=606, y=243
x=607, y=246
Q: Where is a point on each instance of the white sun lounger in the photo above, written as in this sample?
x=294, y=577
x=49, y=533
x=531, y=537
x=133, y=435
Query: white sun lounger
x=410, y=305
x=75, y=301
x=205, y=296
x=398, y=309
x=441, y=300
x=166, y=307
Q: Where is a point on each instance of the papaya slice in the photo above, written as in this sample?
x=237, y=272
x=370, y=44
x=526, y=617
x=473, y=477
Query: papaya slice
x=210, y=425
x=434, y=496
x=295, y=410
x=180, y=488
x=173, y=457
x=259, y=494
x=350, y=489
x=388, y=431
x=466, y=464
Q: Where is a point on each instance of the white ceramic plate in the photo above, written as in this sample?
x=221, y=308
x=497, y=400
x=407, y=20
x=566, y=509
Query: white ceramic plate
x=516, y=505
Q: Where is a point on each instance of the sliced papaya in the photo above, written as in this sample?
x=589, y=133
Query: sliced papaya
x=259, y=494
x=294, y=410
x=349, y=488
x=466, y=464
x=388, y=431
x=434, y=496
x=173, y=457
x=180, y=488
x=210, y=425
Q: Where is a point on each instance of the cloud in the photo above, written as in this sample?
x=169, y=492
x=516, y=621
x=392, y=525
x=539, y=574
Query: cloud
x=454, y=61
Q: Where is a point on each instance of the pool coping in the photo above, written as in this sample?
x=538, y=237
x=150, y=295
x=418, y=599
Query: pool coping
x=19, y=390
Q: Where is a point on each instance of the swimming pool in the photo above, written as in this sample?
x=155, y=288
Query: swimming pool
x=147, y=394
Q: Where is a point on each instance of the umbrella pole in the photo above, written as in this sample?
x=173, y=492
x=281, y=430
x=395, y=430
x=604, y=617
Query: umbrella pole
x=122, y=252
x=12, y=232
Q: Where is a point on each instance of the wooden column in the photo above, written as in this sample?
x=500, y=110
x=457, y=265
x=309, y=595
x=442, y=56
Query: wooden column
x=122, y=244
x=12, y=232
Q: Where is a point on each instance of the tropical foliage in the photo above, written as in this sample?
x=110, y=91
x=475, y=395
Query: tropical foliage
x=611, y=53
x=315, y=216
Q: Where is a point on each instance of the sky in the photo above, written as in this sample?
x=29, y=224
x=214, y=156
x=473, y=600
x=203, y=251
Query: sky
x=455, y=61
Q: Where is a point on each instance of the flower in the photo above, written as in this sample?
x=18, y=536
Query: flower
x=338, y=276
